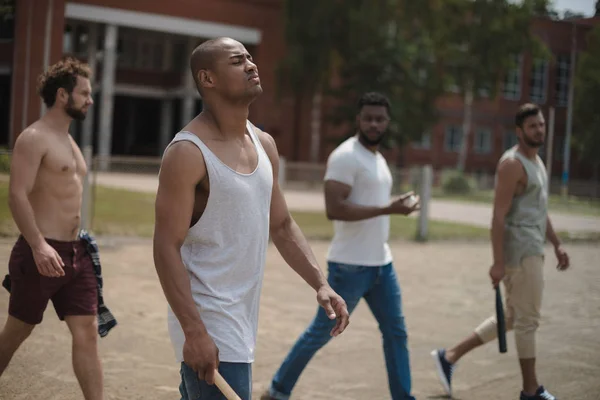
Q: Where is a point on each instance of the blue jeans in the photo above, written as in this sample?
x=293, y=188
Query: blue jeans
x=238, y=375
x=379, y=287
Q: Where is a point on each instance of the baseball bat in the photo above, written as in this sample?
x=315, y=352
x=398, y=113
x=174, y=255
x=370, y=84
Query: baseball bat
x=224, y=387
x=501, y=322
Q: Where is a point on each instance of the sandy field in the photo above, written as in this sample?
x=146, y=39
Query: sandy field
x=445, y=294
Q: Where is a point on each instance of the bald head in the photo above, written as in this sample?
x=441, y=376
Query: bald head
x=223, y=67
x=206, y=54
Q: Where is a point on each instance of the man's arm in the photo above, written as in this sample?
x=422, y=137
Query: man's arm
x=26, y=158
x=561, y=255
x=551, y=235
x=294, y=248
x=339, y=208
x=182, y=168
x=507, y=177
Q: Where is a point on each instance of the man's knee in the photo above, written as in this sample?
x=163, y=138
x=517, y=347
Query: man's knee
x=16, y=331
x=318, y=333
x=394, y=328
x=84, y=330
x=527, y=324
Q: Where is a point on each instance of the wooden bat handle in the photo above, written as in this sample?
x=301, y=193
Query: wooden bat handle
x=224, y=387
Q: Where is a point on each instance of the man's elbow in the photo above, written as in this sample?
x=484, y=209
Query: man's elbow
x=164, y=248
x=334, y=212
x=498, y=220
x=16, y=197
x=282, y=227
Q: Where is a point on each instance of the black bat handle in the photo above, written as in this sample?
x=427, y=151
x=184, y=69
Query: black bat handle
x=501, y=322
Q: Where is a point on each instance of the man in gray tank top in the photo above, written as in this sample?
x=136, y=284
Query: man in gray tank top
x=217, y=203
x=520, y=227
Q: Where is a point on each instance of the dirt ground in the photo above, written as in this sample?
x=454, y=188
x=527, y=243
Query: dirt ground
x=445, y=294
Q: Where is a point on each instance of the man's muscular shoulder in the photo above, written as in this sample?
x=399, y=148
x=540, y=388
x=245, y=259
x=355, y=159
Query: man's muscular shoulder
x=268, y=143
x=510, y=169
x=183, y=161
x=33, y=138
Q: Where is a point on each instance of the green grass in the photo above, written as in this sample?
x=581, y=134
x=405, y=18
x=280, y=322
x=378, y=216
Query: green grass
x=571, y=205
x=316, y=226
x=120, y=212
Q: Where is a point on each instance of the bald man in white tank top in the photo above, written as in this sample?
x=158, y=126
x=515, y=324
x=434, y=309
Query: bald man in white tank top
x=217, y=203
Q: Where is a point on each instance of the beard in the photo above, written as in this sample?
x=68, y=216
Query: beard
x=534, y=144
x=75, y=113
x=371, y=142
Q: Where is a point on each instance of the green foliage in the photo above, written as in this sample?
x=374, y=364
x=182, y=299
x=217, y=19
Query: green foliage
x=409, y=50
x=480, y=38
x=4, y=161
x=587, y=97
x=457, y=183
x=388, y=51
x=309, y=40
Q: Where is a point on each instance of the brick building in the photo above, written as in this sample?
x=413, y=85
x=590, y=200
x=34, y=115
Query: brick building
x=140, y=51
x=545, y=83
x=144, y=92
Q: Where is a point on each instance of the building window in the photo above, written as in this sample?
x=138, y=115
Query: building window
x=538, y=81
x=140, y=51
x=563, y=70
x=424, y=142
x=483, y=141
x=510, y=139
x=512, y=82
x=7, y=20
x=453, y=139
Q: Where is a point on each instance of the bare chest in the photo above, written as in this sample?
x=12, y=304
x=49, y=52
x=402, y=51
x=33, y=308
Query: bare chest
x=62, y=163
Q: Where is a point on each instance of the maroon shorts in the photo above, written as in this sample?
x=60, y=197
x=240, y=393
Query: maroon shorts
x=75, y=293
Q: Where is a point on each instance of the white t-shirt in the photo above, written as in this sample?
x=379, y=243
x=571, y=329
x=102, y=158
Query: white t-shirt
x=361, y=242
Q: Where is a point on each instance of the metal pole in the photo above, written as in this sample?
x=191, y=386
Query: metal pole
x=47, y=44
x=109, y=63
x=550, y=148
x=425, y=197
x=86, y=200
x=567, y=149
x=88, y=123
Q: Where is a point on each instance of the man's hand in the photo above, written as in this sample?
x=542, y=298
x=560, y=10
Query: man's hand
x=562, y=257
x=202, y=355
x=47, y=260
x=335, y=307
x=404, y=204
x=497, y=272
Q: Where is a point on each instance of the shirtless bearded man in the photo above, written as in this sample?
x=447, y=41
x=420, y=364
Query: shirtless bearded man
x=49, y=261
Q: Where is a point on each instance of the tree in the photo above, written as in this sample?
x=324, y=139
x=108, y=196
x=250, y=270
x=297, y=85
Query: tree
x=597, y=14
x=369, y=45
x=306, y=67
x=587, y=97
x=387, y=48
x=479, y=43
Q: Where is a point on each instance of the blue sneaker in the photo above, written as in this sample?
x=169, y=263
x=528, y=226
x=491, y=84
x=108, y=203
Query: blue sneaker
x=444, y=369
x=540, y=394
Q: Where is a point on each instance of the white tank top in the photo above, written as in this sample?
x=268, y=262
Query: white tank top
x=224, y=253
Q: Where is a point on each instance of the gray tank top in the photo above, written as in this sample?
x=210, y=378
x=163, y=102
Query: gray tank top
x=224, y=253
x=525, y=224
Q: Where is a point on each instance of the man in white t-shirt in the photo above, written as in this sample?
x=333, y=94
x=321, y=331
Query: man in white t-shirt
x=358, y=186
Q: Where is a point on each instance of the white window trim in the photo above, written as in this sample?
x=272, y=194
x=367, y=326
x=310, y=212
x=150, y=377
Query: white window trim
x=490, y=135
x=161, y=23
x=519, y=67
x=447, y=129
x=545, y=80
